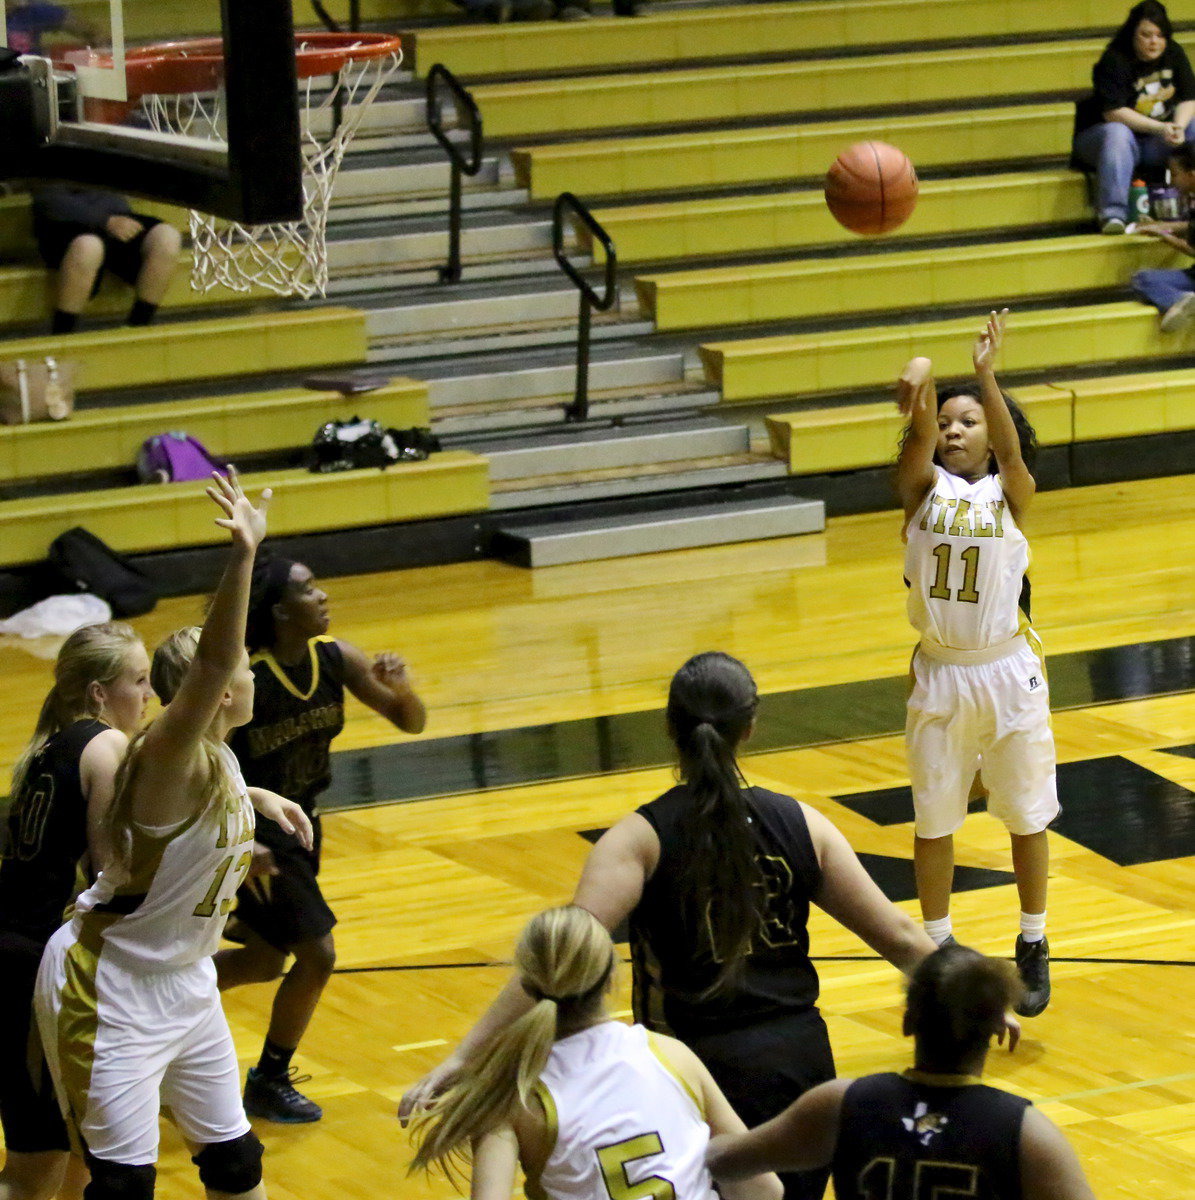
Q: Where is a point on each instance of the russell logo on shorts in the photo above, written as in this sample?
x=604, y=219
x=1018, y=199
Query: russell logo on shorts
x=1034, y=683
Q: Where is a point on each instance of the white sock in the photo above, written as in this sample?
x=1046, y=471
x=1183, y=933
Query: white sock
x=941, y=929
x=1033, y=926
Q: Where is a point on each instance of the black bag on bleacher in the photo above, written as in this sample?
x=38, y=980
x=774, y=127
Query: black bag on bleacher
x=346, y=445
x=86, y=564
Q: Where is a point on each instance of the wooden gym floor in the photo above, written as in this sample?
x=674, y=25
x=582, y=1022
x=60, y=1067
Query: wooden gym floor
x=535, y=682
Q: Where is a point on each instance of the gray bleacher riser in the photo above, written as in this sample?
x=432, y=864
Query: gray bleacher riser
x=601, y=408
x=411, y=348
x=624, y=447
x=391, y=251
x=475, y=312
x=404, y=114
x=357, y=183
x=646, y=371
x=654, y=483
x=622, y=536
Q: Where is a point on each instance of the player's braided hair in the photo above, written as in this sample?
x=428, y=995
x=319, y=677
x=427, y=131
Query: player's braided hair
x=565, y=960
x=271, y=579
x=711, y=705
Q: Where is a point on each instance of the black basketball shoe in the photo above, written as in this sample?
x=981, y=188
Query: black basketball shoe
x=1033, y=966
x=275, y=1098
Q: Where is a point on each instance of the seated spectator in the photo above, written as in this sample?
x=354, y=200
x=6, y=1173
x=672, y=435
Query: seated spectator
x=1141, y=109
x=1172, y=292
x=81, y=232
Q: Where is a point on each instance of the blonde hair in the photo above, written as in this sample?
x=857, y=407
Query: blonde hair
x=92, y=654
x=171, y=661
x=564, y=959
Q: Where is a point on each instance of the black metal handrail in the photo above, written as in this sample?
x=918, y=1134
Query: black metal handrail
x=567, y=203
x=466, y=108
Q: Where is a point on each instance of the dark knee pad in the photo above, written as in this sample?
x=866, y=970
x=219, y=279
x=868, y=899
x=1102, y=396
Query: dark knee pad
x=119, y=1181
x=233, y=1166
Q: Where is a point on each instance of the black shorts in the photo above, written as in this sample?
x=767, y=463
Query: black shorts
x=288, y=908
x=763, y=1068
x=123, y=259
x=28, y=1109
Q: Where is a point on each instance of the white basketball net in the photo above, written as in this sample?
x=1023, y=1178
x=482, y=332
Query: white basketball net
x=288, y=258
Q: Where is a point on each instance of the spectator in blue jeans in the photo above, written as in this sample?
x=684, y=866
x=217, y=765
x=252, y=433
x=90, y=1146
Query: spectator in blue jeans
x=1172, y=292
x=1142, y=108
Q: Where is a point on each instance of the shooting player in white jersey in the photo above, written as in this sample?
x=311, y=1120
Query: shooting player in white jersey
x=979, y=697
x=126, y=996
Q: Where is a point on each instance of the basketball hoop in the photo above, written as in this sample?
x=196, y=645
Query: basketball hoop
x=178, y=86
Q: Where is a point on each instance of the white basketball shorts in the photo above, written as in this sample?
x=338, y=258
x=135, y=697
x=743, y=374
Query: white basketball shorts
x=993, y=717
x=123, y=1043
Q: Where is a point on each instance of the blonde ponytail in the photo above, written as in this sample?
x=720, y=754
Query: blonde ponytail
x=564, y=959
x=92, y=654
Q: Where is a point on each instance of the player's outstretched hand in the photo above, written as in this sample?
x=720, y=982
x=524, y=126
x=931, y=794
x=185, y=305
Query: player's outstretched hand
x=287, y=815
x=915, y=387
x=991, y=338
x=1011, y=1031
x=246, y=524
x=422, y=1095
x=389, y=670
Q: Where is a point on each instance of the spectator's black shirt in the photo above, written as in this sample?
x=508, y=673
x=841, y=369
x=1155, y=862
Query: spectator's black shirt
x=1153, y=89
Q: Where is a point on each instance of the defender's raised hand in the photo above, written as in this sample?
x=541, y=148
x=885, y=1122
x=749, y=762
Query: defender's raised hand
x=244, y=522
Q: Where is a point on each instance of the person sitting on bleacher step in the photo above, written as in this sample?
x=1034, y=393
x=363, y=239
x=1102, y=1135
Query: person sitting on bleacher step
x=82, y=232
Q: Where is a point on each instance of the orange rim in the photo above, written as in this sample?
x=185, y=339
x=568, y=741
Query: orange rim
x=197, y=65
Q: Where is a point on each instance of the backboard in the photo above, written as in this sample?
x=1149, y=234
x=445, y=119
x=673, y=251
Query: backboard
x=86, y=82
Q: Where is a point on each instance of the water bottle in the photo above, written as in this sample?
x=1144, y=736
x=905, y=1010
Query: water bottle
x=1138, y=201
x=1166, y=204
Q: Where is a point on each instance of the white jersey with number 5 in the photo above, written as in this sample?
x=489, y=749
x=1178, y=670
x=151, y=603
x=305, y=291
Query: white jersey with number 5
x=965, y=564
x=171, y=908
x=620, y=1118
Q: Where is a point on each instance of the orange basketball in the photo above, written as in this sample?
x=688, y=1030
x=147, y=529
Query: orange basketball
x=871, y=188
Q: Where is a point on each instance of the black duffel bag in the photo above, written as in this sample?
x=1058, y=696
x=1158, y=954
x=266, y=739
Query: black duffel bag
x=346, y=445
x=86, y=564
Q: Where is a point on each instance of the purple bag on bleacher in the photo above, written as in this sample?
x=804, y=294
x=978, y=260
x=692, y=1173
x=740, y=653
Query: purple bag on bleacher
x=176, y=457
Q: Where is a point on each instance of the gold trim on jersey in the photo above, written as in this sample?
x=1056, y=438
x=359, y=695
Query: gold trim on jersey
x=78, y=1020
x=653, y=1044
x=931, y=1079
x=267, y=657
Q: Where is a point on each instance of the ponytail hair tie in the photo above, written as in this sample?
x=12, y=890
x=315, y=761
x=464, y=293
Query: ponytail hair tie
x=537, y=995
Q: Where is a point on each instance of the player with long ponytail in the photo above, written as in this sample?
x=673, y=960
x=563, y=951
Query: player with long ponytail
x=573, y=1094
x=716, y=877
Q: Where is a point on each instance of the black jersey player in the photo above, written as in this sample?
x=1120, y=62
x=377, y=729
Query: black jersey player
x=301, y=673
x=934, y=1130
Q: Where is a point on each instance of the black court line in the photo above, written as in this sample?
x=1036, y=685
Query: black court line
x=430, y=767
x=390, y=968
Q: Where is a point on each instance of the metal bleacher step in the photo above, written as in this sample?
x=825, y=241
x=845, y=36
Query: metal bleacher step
x=644, y=479
x=591, y=450
x=490, y=401
x=488, y=318
x=531, y=543
x=415, y=182
x=367, y=254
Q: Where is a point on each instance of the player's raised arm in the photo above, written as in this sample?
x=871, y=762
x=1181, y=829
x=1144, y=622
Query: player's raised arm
x=172, y=741
x=916, y=397
x=1016, y=478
